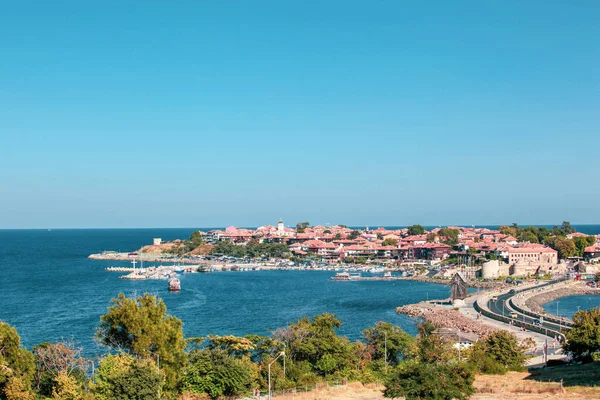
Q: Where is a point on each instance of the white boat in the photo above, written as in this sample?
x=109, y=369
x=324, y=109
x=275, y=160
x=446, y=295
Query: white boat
x=174, y=285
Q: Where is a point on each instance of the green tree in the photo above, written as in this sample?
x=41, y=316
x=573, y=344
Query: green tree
x=449, y=236
x=354, y=234
x=581, y=242
x=583, y=340
x=565, y=247
x=416, y=230
x=301, y=227
x=17, y=366
x=218, y=374
x=123, y=377
x=389, y=242
x=338, y=236
x=142, y=327
x=415, y=380
x=379, y=236
x=384, y=335
x=498, y=353
x=311, y=340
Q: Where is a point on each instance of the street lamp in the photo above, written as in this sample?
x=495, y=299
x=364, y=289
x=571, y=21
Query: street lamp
x=280, y=354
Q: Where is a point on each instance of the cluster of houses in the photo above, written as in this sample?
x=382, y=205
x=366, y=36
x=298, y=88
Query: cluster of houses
x=333, y=243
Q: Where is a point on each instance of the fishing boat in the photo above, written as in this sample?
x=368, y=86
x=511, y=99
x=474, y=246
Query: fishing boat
x=174, y=285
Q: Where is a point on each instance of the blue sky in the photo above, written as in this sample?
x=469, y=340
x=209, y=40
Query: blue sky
x=187, y=113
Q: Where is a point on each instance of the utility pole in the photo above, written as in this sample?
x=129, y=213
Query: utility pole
x=269, y=381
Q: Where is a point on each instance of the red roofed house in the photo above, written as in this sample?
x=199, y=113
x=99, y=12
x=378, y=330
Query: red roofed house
x=591, y=253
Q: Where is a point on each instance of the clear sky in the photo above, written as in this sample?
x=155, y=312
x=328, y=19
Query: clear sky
x=199, y=113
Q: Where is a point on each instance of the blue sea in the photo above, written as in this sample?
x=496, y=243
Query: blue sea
x=567, y=306
x=51, y=291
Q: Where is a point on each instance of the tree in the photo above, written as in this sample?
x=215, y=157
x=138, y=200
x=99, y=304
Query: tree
x=498, y=353
x=338, y=236
x=581, y=242
x=143, y=328
x=17, y=366
x=449, y=236
x=301, y=227
x=415, y=380
x=354, y=234
x=384, y=335
x=379, y=236
x=123, y=377
x=583, y=339
x=66, y=387
x=416, y=230
x=327, y=231
x=565, y=247
x=316, y=341
x=218, y=374
x=54, y=359
x=389, y=242
x=431, y=237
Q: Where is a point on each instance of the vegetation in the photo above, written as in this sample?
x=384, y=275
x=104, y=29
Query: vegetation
x=498, y=353
x=389, y=242
x=416, y=230
x=151, y=359
x=301, y=226
x=555, y=238
x=142, y=328
x=583, y=340
x=354, y=234
x=253, y=249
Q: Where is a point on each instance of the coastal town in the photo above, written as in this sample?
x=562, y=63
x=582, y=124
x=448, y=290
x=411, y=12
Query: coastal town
x=488, y=254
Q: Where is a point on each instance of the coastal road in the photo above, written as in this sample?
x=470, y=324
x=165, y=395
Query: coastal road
x=502, y=307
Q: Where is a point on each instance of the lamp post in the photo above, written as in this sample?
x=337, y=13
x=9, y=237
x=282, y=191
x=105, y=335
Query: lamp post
x=271, y=363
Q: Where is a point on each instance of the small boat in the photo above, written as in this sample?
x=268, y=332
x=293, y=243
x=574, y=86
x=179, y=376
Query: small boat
x=341, y=276
x=174, y=285
x=387, y=275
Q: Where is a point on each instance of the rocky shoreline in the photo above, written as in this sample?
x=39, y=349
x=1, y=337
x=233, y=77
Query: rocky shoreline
x=446, y=318
x=535, y=303
x=472, y=284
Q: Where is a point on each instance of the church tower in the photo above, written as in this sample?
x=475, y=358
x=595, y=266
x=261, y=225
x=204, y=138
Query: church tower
x=280, y=227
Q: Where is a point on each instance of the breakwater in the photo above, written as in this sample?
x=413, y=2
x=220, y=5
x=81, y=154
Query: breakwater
x=445, y=317
x=536, y=302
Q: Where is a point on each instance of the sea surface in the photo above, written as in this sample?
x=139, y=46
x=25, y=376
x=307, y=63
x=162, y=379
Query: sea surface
x=567, y=306
x=50, y=290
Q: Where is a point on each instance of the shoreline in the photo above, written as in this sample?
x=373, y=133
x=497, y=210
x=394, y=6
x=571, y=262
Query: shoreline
x=536, y=302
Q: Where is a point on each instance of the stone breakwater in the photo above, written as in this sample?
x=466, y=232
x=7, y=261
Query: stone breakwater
x=446, y=318
x=535, y=303
x=473, y=284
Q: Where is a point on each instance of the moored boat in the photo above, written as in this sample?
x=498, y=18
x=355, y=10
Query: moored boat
x=174, y=285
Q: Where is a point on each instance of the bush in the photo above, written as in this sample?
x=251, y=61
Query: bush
x=122, y=377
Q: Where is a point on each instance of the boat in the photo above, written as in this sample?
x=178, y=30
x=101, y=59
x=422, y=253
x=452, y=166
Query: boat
x=174, y=285
x=341, y=276
x=387, y=275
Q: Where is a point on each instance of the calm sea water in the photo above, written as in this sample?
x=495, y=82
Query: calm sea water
x=50, y=291
x=567, y=306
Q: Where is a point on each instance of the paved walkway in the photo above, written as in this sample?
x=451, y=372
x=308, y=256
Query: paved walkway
x=540, y=340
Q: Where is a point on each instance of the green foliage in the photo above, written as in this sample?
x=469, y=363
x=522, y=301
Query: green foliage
x=389, y=242
x=123, y=377
x=354, y=234
x=233, y=345
x=252, y=249
x=431, y=347
x=500, y=350
x=379, y=236
x=415, y=380
x=581, y=242
x=55, y=359
x=143, y=328
x=565, y=247
x=316, y=342
x=338, y=236
x=449, y=236
x=400, y=345
x=301, y=227
x=416, y=230
x=17, y=366
x=583, y=340
x=219, y=374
